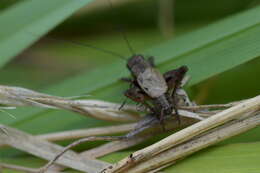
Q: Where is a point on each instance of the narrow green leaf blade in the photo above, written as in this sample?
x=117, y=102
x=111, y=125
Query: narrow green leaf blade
x=31, y=16
x=233, y=158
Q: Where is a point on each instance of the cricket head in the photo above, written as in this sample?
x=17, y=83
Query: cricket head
x=135, y=60
x=183, y=69
x=137, y=64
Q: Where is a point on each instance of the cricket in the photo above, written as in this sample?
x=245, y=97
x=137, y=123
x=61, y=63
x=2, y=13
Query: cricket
x=148, y=84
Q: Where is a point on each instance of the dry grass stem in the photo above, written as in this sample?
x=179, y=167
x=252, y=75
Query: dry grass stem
x=170, y=124
x=113, y=147
x=105, y=149
x=186, y=134
x=20, y=168
x=48, y=151
x=83, y=140
x=75, y=134
x=16, y=96
x=123, y=144
x=160, y=168
x=218, y=120
x=209, y=138
x=212, y=106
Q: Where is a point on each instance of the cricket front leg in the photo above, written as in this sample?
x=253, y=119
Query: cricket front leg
x=138, y=96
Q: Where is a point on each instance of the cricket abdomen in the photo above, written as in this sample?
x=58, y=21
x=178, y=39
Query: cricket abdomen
x=163, y=105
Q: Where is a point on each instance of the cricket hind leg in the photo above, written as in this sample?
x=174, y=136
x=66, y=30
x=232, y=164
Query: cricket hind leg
x=173, y=79
x=174, y=100
x=175, y=108
x=161, y=120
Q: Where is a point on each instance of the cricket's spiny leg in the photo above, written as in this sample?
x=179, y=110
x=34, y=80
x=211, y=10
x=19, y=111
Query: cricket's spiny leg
x=138, y=96
x=173, y=79
x=132, y=82
x=175, y=105
x=161, y=120
x=123, y=104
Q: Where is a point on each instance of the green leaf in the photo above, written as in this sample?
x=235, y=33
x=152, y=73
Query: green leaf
x=233, y=158
x=31, y=16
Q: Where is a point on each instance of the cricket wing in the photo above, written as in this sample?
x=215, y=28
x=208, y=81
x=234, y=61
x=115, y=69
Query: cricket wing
x=152, y=82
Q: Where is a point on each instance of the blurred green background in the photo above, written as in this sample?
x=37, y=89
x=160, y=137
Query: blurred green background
x=49, y=62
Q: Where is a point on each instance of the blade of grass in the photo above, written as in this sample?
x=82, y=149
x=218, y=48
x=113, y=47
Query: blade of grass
x=31, y=15
x=232, y=158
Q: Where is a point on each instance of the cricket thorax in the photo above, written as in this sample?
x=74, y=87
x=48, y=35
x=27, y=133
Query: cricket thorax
x=137, y=64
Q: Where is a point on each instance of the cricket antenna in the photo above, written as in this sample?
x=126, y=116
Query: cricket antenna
x=123, y=33
x=96, y=48
x=86, y=45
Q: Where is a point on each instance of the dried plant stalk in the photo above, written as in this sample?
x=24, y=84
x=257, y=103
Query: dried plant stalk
x=123, y=144
x=83, y=140
x=74, y=134
x=16, y=96
x=232, y=113
x=151, y=122
x=212, y=106
x=21, y=168
x=214, y=136
x=46, y=150
x=105, y=149
x=113, y=147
